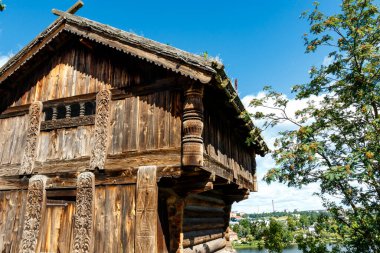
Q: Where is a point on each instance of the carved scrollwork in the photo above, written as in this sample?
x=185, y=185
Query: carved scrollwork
x=67, y=122
x=33, y=131
x=102, y=121
x=36, y=199
x=192, y=141
x=84, y=214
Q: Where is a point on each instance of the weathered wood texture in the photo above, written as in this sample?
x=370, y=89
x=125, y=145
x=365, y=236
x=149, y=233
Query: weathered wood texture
x=115, y=220
x=13, y=137
x=65, y=143
x=146, y=122
x=57, y=226
x=225, y=148
x=101, y=138
x=78, y=70
x=32, y=134
x=146, y=210
x=192, y=142
x=12, y=208
x=84, y=214
x=203, y=223
x=34, y=213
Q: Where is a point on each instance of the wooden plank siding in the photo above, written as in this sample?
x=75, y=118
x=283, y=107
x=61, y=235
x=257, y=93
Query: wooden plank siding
x=78, y=70
x=13, y=137
x=144, y=123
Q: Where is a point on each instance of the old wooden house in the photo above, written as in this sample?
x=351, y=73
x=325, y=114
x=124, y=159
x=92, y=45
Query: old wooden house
x=111, y=142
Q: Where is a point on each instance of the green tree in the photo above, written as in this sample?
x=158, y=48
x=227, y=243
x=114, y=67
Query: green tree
x=292, y=226
x=2, y=6
x=335, y=141
x=277, y=237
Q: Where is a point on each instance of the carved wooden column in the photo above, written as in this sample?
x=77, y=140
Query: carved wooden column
x=102, y=122
x=84, y=214
x=31, y=146
x=146, y=210
x=35, y=207
x=192, y=142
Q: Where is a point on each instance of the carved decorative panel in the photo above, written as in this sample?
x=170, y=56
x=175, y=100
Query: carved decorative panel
x=67, y=122
x=84, y=214
x=146, y=210
x=31, y=146
x=102, y=122
x=35, y=206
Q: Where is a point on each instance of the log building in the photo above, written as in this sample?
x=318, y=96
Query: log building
x=111, y=142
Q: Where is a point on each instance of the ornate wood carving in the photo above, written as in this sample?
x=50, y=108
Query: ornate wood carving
x=67, y=122
x=102, y=121
x=35, y=206
x=84, y=214
x=146, y=210
x=31, y=146
x=192, y=142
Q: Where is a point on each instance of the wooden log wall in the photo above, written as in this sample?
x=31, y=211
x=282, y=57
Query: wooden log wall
x=203, y=223
x=149, y=122
x=13, y=137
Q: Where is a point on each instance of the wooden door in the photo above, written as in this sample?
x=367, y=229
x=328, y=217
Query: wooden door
x=57, y=227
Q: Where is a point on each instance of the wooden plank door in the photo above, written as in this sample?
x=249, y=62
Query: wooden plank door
x=57, y=227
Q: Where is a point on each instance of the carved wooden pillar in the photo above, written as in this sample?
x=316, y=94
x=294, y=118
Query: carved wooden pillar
x=35, y=206
x=146, y=210
x=176, y=207
x=84, y=214
x=102, y=122
x=192, y=142
x=31, y=146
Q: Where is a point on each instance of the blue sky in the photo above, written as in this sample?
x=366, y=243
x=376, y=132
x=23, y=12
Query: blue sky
x=259, y=41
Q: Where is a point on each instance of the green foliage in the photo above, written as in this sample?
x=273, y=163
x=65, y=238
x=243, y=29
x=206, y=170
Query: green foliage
x=2, y=6
x=277, y=237
x=335, y=142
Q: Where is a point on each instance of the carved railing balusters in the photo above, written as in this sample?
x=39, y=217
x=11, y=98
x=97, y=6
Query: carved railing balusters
x=55, y=113
x=82, y=109
x=68, y=111
x=192, y=142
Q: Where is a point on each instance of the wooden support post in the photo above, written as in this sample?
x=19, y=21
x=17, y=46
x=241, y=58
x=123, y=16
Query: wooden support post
x=84, y=214
x=31, y=146
x=102, y=122
x=35, y=208
x=176, y=207
x=192, y=142
x=146, y=210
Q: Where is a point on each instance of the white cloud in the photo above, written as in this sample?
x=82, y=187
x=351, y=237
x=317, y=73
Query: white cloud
x=283, y=197
x=4, y=59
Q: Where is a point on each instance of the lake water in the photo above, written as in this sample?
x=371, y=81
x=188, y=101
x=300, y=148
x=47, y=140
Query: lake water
x=288, y=250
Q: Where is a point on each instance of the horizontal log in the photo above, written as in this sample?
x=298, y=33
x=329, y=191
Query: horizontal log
x=207, y=247
x=196, y=224
x=197, y=237
x=69, y=179
x=203, y=211
x=201, y=200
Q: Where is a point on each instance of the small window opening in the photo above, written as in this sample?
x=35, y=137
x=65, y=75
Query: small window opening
x=75, y=110
x=61, y=112
x=48, y=113
x=90, y=108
